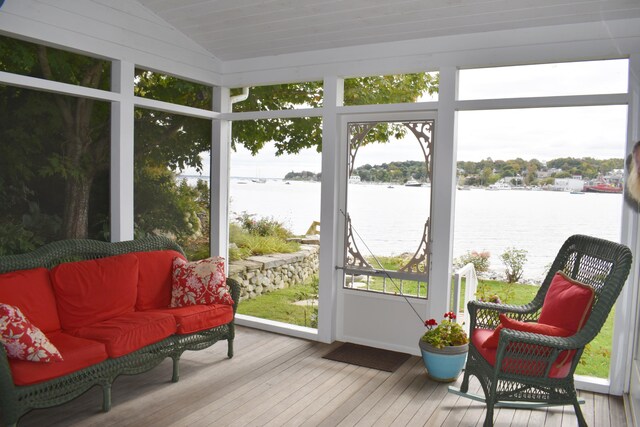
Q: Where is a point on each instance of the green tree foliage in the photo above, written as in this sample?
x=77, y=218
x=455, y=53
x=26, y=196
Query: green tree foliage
x=291, y=136
x=393, y=172
x=588, y=167
x=54, y=148
x=488, y=171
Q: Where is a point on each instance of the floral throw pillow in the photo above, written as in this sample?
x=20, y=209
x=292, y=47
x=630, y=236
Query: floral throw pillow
x=22, y=339
x=199, y=282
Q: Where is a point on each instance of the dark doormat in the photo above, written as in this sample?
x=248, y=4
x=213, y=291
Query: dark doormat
x=369, y=357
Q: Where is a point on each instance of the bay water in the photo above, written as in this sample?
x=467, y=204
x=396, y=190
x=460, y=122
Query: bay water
x=390, y=219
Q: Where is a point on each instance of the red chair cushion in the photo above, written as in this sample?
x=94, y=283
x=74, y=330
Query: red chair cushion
x=129, y=332
x=22, y=339
x=515, y=366
x=533, y=327
x=567, y=304
x=154, y=279
x=194, y=318
x=91, y=291
x=32, y=293
x=78, y=353
x=199, y=282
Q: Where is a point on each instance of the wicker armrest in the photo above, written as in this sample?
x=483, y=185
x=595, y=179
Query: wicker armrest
x=511, y=336
x=486, y=314
x=234, y=287
x=534, y=355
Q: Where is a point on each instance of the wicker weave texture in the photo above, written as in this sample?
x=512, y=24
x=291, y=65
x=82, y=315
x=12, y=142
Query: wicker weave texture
x=525, y=359
x=15, y=401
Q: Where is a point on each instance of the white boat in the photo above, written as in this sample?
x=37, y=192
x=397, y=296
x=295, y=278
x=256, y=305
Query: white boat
x=354, y=179
x=259, y=180
x=413, y=183
x=499, y=186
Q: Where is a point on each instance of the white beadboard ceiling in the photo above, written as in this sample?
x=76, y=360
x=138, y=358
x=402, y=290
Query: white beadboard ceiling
x=244, y=29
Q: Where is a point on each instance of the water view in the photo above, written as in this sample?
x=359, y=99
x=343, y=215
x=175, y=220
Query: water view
x=537, y=221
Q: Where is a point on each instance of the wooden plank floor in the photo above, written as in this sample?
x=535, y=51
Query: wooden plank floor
x=275, y=380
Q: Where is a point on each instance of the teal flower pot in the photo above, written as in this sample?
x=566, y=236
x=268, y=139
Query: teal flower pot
x=443, y=364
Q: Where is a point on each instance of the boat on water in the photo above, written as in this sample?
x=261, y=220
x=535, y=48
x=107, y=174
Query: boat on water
x=413, y=183
x=259, y=180
x=499, y=186
x=603, y=188
x=354, y=179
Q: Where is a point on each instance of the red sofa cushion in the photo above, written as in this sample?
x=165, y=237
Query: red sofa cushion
x=92, y=291
x=32, y=293
x=515, y=366
x=567, y=304
x=154, y=278
x=22, y=339
x=194, y=318
x=78, y=353
x=129, y=332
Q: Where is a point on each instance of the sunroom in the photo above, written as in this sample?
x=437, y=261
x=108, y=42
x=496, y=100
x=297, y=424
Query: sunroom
x=273, y=87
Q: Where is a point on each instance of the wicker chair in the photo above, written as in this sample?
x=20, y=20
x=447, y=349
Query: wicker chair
x=602, y=265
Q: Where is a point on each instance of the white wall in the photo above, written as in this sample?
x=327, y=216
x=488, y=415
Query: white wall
x=117, y=29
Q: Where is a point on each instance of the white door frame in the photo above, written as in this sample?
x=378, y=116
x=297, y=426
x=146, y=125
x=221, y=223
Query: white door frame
x=379, y=320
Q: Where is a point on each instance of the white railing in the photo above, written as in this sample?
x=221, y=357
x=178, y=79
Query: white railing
x=471, y=286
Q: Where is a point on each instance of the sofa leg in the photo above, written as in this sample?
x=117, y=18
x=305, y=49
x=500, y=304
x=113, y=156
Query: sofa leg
x=176, y=369
x=230, y=350
x=106, y=397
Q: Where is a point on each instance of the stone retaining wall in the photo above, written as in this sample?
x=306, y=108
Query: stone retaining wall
x=261, y=274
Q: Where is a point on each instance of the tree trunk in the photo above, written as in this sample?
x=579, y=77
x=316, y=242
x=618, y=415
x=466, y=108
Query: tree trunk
x=76, y=210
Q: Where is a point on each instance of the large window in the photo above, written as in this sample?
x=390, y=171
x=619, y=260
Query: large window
x=54, y=149
x=171, y=179
x=530, y=178
x=275, y=212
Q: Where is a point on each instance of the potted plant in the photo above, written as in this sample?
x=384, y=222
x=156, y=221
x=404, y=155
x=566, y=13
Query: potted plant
x=444, y=348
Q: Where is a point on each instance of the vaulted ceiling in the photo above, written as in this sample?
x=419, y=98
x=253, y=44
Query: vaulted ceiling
x=241, y=29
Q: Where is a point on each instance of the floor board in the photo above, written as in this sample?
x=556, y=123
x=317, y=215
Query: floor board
x=274, y=380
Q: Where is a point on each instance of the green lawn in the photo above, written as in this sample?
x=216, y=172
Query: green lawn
x=278, y=305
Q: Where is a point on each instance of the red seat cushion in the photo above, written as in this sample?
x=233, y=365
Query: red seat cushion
x=533, y=327
x=78, y=353
x=91, y=291
x=194, y=318
x=567, y=304
x=129, y=332
x=154, y=278
x=32, y=293
x=515, y=366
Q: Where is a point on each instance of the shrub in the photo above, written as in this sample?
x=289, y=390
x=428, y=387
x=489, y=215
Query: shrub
x=248, y=244
x=263, y=226
x=514, y=260
x=480, y=261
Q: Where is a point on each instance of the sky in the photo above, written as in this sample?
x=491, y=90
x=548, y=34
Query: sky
x=540, y=133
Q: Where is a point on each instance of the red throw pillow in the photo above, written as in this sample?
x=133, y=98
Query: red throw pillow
x=199, y=282
x=22, y=339
x=567, y=304
x=533, y=327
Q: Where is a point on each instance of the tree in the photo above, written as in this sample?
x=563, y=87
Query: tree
x=292, y=135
